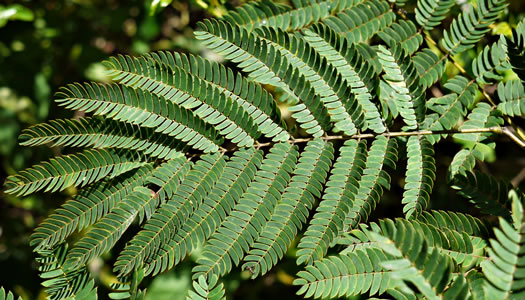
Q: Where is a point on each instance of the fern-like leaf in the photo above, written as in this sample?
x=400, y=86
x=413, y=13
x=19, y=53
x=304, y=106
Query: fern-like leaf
x=404, y=34
x=102, y=133
x=346, y=275
x=470, y=26
x=430, y=13
x=430, y=273
x=352, y=66
x=504, y=272
x=292, y=212
x=108, y=230
x=170, y=216
x=490, y=62
x=141, y=108
x=323, y=77
x=451, y=107
x=188, y=91
x=429, y=67
x=254, y=99
x=420, y=176
x=242, y=227
x=341, y=187
x=465, y=247
x=87, y=207
x=362, y=21
x=61, y=283
x=512, y=97
x=238, y=174
x=485, y=192
x=481, y=117
x=265, y=65
x=207, y=289
x=78, y=169
x=270, y=14
x=402, y=77
x=383, y=153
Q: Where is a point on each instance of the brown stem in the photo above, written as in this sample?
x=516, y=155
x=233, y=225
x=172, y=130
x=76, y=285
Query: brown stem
x=496, y=129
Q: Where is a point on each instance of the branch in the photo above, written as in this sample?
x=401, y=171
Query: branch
x=508, y=131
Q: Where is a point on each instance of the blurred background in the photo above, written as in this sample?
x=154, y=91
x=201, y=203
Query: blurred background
x=45, y=44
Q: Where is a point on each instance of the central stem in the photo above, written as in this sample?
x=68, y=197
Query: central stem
x=496, y=129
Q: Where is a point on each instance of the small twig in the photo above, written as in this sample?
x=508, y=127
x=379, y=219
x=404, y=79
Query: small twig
x=498, y=130
x=518, y=178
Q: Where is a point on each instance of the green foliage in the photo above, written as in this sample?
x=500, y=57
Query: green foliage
x=430, y=13
x=486, y=192
x=503, y=271
x=401, y=77
x=6, y=295
x=180, y=155
x=62, y=283
x=512, y=97
x=79, y=169
x=469, y=27
x=420, y=176
x=15, y=12
x=355, y=273
x=207, y=290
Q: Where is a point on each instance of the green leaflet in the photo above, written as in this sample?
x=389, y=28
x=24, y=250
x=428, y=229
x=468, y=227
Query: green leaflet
x=486, y=192
x=238, y=231
x=102, y=133
x=465, y=247
x=264, y=65
x=516, y=50
x=61, y=283
x=456, y=221
x=471, y=25
x=323, y=78
x=207, y=289
x=238, y=173
x=363, y=21
x=78, y=169
x=267, y=13
x=128, y=287
x=183, y=199
x=503, y=271
x=167, y=177
x=341, y=187
x=491, y=61
x=383, y=153
x=401, y=76
x=429, y=67
x=292, y=212
x=419, y=177
x=108, y=230
x=188, y=91
x=403, y=33
x=353, y=67
x=451, y=107
x=137, y=107
x=345, y=275
x=481, y=117
x=252, y=97
x=87, y=207
x=430, y=13
x=512, y=97
x=430, y=273
x=7, y=295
